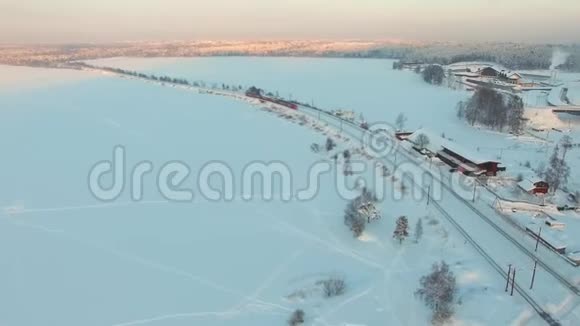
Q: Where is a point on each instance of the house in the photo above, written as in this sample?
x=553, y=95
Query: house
x=513, y=78
x=510, y=77
x=534, y=186
x=488, y=72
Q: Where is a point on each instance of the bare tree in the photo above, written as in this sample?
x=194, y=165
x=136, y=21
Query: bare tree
x=515, y=107
x=418, y=230
x=557, y=172
x=567, y=143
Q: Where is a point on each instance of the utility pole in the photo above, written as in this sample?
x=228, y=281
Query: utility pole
x=507, y=284
x=534, y=274
x=513, y=282
x=474, y=189
x=428, y=195
x=538, y=239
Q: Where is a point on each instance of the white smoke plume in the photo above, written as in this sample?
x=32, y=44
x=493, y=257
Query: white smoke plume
x=558, y=57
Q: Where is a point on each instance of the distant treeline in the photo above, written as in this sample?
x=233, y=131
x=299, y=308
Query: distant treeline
x=185, y=82
x=572, y=63
x=165, y=79
x=510, y=55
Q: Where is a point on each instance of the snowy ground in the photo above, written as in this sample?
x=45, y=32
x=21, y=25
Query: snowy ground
x=72, y=260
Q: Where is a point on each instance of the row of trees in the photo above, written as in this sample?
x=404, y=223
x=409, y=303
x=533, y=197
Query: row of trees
x=433, y=74
x=401, y=231
x=165, y=79
x=511, y=55
x=494, y=110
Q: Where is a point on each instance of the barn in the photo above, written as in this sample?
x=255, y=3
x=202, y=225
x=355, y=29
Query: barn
x=469, y=163
x=534, y=186
x=456, y=156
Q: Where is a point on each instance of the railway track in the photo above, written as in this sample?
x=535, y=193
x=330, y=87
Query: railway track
x=535, y=305
x=574, y=289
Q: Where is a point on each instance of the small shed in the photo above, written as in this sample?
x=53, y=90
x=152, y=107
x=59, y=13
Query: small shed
x=547, y=237
x=403, y=135
x=534, y=186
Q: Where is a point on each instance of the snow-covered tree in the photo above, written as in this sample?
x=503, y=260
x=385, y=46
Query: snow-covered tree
x=297, y=318
x=346, y=154
x=330, y=144
x=401, y=121
x=437, y=290
x=360, y=211
x=347, y=168
x=385, y=171
x=557, y=172
x=402, y=229
x=493, y=109
x=419, y=230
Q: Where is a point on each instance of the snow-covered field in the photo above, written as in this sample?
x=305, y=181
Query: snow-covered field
x=68, y=259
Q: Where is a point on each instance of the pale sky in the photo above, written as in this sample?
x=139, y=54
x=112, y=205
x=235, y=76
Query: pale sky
x=61, y=21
